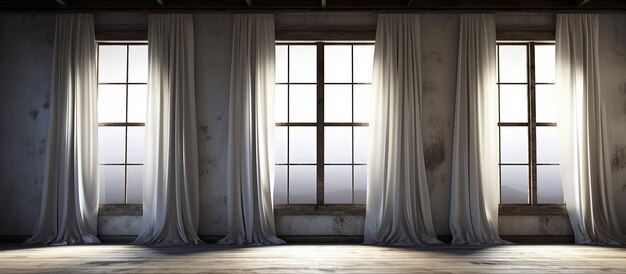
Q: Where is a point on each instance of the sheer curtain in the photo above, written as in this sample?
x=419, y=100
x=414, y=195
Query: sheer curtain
x=69, y=205
x=398, y=204
x=474, y=194
x=583, y=132
x=250, y=176
x=170, y=196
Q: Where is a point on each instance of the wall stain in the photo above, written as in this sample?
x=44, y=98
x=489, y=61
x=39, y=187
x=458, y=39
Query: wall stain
x=623, y=90
x=435, y=56
x=618, y=160
x=34, y=114
x=429, y=87
x=219, y=118
x=544, y=225
x=434, y=153
x=46, y=104
x=42, y=146
x=204, y=129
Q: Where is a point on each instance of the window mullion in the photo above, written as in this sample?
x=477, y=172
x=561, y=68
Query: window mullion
x=126, y=131
x=532, y=124
x=320, y=124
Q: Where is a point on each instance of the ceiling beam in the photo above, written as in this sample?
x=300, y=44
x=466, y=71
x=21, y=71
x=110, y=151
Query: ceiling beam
x=61, y=2
x=582, y=3
x=249, y=3
x=409, y=3
x=160, y=2
x=323, y=3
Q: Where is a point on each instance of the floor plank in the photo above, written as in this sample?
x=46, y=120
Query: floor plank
x=333, y=258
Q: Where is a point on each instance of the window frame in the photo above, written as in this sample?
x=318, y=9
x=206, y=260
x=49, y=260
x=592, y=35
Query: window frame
x=532, y=207
x=125, y=124
x=320, y=207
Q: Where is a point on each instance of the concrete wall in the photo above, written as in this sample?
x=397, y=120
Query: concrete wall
x=613, y=80
x=25, y=62
x=26, y=43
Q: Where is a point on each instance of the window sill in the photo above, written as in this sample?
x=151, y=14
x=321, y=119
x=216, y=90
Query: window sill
x=332, y=210
x=120, y=210
x=528, y=210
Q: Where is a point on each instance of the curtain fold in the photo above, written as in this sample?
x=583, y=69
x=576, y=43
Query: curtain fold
x=474, y=195
x=170, y=195
x=583, y=132
x=250, y=169
x=69, y=206
x=398, y=203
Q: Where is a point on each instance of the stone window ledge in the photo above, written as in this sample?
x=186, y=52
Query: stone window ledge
x=535, y=210
x=120, y=210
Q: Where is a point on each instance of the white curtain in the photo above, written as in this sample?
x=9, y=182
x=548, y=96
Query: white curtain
x=398, y=204
x=250, y=169
x=170, y=196
x=69, y=206
x=583, y=132
x=474, y=194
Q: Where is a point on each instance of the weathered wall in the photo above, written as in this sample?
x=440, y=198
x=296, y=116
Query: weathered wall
x=25, y=62
x=213, y=39
x=26, y=43
x=613, y=81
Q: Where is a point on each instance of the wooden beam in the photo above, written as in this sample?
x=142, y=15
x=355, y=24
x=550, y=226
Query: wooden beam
x=323, y=3
x=249, y=3
x=61, y=2
x=582, y=3
x=160, y=2
x=409, y=3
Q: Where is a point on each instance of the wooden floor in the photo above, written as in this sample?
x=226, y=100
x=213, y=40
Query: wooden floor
x=340, y=258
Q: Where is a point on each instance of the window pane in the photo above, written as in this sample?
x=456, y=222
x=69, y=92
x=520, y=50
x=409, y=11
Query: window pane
x=363, y=63
x=302, y=103
x=280, y=104
x=337, y=145
x=338, y=184
x=280, y=185
x=135, y=184
x=545, y=103
x=360, y=184
x=514, y=145
x=281, y=145
x=549, y=188
x=138, y=64
x=360, y=144
x=337, y=64
x=512, y=62
x=302, y=64
x=547, y=145
x=111, y=64
x=544, y=63
x=513, y=103
x=137, y=102
x=302, y=145
x=514, y=185
x=111, y=145
x=361, y=103
x=302, y=185
x=338, y=103
x=136, y=144
x=281, y=64
x=111, y=103
x=112, y=186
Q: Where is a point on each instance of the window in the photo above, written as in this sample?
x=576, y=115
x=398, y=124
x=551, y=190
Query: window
x=122, y=91
x=529, y=164
x=322, y=113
